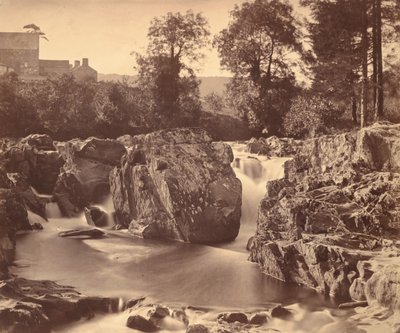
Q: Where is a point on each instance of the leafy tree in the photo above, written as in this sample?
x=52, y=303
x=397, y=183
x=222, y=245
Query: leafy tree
x=116, y=107
x=347, y=38
x=17, y=117
x=63, y=106
x=258, y=47
x=214, y=102
x=309, y=116
x=166, y=79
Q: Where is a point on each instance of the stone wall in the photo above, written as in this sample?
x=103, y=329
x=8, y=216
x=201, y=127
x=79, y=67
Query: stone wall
x=53, y=67
x=20, y=51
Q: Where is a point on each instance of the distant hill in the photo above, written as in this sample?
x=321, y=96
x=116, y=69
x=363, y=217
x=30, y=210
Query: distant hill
x=208, y=83
x=211, y=84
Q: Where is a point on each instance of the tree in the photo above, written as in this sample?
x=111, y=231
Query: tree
x=347, y=38
x=335, y=33
x=17, y=117
x=258, y=47
x=165, y=72
x=214, y=102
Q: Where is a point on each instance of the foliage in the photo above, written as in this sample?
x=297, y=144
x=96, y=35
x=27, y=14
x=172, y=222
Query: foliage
x=65, y=108
x=214, y=102
x=17, y=117
x=258, y=47
x=63, y=105
x=168, y=85
x=309, y=116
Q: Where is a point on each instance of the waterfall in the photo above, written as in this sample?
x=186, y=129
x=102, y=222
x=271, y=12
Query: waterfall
x=254, y=171
x=53, y=211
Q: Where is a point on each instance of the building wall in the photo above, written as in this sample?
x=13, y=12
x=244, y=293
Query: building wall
x=84, y=72
x=53, y=67
x=20, y=51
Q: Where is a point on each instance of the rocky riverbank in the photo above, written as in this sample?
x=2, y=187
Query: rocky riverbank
x=333, y=222
x=170, y=184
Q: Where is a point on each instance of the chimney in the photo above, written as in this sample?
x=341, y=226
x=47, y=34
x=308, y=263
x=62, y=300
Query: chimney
x=77, y=63
x=85, y=62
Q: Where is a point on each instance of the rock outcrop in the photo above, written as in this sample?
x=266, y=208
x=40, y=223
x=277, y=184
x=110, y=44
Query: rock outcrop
x=36, y=159
x=339, y=199
x=13, y=217
x=37, y=306
x=177, y=184
x=274, y=146
x=84, y=178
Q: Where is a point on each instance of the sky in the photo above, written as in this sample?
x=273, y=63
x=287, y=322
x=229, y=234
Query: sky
x=107, y=31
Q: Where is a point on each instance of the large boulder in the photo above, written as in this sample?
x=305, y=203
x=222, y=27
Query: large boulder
x=85, y=175
x=35, y=158
x=339, y=199
x=178, y=184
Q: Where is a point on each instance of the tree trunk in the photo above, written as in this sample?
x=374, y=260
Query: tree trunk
x=354, y=107
x=374, y=60
x=379, y=74
x=364, y=51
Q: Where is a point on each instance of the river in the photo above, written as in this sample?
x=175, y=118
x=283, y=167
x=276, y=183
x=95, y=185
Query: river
x=213, y=277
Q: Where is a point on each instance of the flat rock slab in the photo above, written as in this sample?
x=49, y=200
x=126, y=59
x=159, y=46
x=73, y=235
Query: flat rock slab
x=82, y=233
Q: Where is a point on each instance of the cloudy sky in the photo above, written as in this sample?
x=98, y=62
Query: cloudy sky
x=106, y=31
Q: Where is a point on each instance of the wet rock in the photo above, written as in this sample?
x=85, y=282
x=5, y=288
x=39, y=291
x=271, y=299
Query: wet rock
x=36, y=306
x=357, y=290
x=352, y=305
x=384, y=286
x=39, y=141
x=35, y=157
x=96, y=216
x=85, y=175
x=140, y=323
x=37, y=226
x=258, y=319
x=231, y=317
x=194, y=196
x=82, y=233
x=159, y=312
x=23, y=317
x=250, y=244
x=197, y=328
x=134, y=302
x=274, y=146
x=339, y=198
x=32, y=201
x=13, y=217
x=280, y=312
x=180, y=315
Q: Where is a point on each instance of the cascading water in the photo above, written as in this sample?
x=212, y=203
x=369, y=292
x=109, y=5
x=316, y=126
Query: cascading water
x=120, y=265
x=254, y=172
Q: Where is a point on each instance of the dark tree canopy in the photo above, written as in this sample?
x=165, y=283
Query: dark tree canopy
x=259, y=47
x=166, y=75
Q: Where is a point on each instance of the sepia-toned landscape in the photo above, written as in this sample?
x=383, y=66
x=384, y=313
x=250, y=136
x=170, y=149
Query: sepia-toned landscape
x=200, y=166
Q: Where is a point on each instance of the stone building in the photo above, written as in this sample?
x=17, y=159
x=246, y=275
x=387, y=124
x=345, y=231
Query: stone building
x=84, y=72
x=19, y=52
x=53, y=67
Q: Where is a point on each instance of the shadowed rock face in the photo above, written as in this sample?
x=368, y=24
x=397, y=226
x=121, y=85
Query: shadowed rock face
x=37, y=306
x=13, y=217
x=339, y=198
x=178, y=184
x=36, y=159
x=84, y=177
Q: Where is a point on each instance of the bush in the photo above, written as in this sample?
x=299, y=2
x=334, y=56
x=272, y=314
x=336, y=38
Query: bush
x=310, y=116
x=17, y=116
